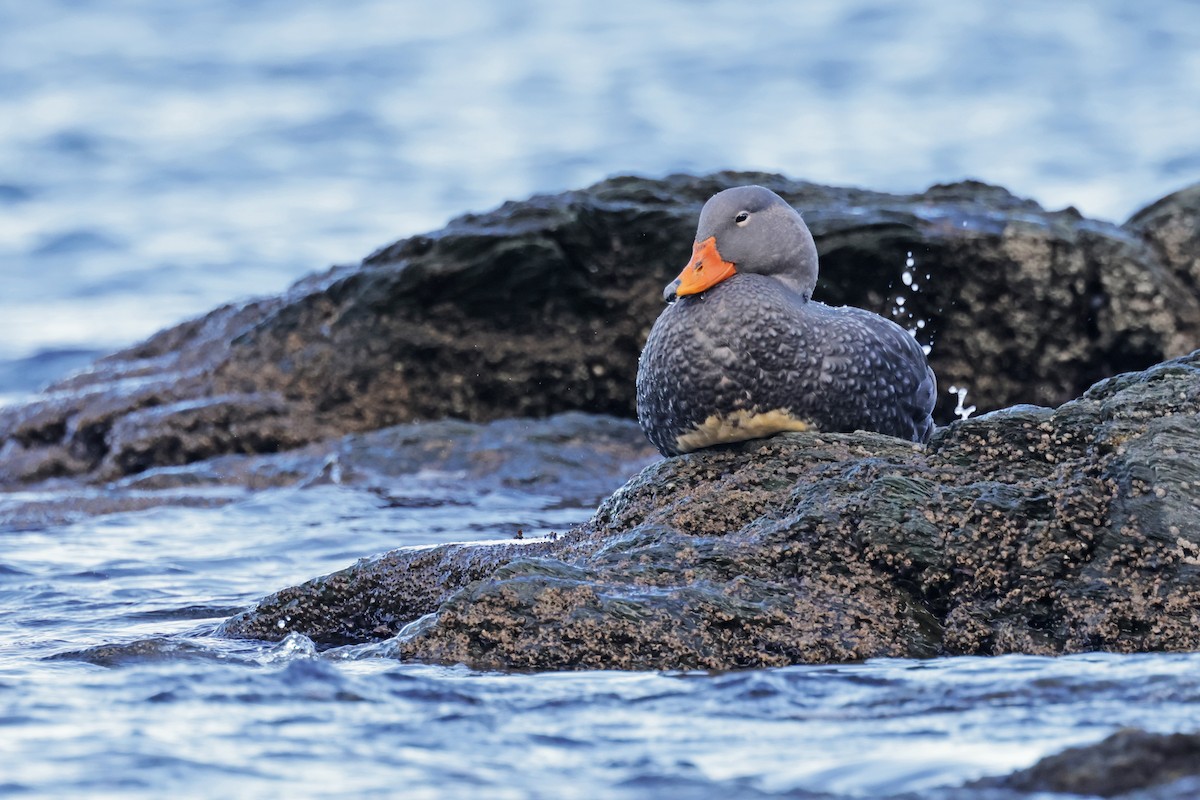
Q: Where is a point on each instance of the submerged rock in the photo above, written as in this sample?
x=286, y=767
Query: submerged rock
x=575, y=458
x=1128, y=762
x=1028, y=530
x=542, y=306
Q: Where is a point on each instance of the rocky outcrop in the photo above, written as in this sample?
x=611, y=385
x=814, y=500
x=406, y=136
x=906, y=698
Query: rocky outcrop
x=542, y=306
x=1028, y=530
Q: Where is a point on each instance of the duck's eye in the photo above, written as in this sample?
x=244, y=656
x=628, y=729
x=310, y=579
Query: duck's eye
x=742, y=218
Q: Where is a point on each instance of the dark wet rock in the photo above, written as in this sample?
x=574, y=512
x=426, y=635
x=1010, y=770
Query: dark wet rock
x=139, y=652
x=574, y=458
x=296, y=652
x=1123, y=765
x=542, y=306
x=1170, y=226
x=1028, y=530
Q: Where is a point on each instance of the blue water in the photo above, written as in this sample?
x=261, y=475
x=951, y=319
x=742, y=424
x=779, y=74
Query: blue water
x=188, y=714
x=158, y=159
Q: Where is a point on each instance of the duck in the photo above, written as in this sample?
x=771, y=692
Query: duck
x=742, y=351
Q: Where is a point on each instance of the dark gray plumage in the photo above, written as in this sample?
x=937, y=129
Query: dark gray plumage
x=752, y=354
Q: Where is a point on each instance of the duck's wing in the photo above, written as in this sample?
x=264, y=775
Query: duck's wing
x=880, y=373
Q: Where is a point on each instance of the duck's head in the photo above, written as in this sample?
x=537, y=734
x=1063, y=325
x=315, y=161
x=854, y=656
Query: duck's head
x=748, y=229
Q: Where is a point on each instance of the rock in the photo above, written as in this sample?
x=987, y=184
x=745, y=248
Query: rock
x=1027, y=530
x=542, y=306
x=575, y=458
x=1128, y=761
x=1170, y=227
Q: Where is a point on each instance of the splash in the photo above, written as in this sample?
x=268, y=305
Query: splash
x=903, y=313
x=962, y=411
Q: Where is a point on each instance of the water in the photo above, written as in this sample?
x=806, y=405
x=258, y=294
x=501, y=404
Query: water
x=186, y=713
x=157, y=159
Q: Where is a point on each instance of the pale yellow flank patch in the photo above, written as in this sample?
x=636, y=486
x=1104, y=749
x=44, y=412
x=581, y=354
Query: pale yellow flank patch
x=738, y=426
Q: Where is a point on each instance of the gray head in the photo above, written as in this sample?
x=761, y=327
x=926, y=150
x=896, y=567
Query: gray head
x=749, y=229
x=759, y=232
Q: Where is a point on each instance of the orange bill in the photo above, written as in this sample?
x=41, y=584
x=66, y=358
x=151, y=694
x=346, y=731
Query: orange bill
x=705, y=269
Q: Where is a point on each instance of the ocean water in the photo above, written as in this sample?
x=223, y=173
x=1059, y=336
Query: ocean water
x=112, y=684
x=158, y=159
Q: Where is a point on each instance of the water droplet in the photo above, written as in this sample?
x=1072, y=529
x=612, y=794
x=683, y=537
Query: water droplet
x=962, y=411
x=899, y=312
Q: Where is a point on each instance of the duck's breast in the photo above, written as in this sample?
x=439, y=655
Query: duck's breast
x=723, y=366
